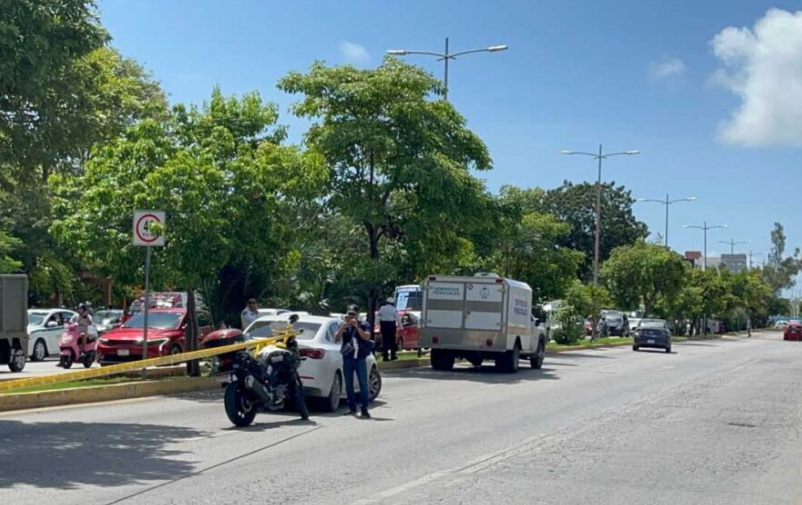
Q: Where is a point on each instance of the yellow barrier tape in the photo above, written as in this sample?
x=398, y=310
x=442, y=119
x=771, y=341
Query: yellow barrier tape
x=172, y=359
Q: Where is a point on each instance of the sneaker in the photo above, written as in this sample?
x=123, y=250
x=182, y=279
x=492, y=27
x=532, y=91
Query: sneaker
x=365, y=414
x=350, y=413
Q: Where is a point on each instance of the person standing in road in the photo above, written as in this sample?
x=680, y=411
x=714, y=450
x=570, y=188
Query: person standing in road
x=250, y=314
x=389, y=322
x=355, y=348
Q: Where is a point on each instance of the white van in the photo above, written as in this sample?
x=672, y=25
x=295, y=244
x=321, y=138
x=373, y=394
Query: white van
x=485, y=317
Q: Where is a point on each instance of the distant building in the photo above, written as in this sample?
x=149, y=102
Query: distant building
x=694, y=258
x=734, y=262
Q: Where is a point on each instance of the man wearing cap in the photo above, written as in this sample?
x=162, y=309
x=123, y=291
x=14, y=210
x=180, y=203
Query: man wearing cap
x=389, y=322
x=356, y=347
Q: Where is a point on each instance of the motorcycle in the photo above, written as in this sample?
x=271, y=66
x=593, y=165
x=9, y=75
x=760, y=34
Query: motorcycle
x=70, y=348
x=266, y=383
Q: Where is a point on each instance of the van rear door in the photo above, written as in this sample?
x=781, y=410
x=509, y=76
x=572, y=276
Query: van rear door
x=444, y=304
x=484, y=306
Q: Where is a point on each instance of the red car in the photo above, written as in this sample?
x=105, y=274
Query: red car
x=166, y=335
x=793, y=331
x=407, y=336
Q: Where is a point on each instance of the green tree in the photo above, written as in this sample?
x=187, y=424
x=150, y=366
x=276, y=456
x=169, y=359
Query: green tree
x=216, y=170
x=781, y=270
x=399, y=161
x=588, y=300
x=639, y=274
x=524, y=245
x=575, y=205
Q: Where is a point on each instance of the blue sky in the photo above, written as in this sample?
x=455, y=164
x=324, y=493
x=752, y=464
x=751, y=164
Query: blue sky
x=631, y=74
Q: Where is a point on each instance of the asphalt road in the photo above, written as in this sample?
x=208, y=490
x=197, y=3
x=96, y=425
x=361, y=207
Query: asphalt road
x=38, y=369
x=716, y=422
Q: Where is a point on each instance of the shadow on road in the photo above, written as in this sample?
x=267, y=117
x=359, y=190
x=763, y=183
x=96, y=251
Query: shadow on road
x=486, y=373
x=70, y=455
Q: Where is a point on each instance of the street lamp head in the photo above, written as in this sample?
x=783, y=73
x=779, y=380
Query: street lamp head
x=635, y=151
x=494, y=49
x=692, y=199
x=566, y=151
x=397, y=52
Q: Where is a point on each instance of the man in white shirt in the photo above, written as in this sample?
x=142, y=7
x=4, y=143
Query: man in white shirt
x=389, y=322
x=250, y=314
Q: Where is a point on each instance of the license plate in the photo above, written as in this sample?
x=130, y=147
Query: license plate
x=650, y=341
x=276, y=359
x=123, y=352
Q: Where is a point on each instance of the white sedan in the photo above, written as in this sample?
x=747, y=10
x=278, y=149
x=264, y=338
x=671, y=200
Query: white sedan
x=45, y=327
x=322, y=370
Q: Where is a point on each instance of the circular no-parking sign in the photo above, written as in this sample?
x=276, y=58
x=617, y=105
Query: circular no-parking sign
x=144, y=232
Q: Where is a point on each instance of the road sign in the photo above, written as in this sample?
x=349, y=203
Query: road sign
x=144, y=235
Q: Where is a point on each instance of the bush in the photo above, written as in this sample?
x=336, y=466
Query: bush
x=568, y=325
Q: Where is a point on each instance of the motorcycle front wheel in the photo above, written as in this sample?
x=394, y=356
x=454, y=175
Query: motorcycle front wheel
x=239, y=407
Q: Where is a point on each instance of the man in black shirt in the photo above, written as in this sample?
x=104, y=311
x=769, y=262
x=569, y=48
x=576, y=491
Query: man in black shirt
x=356, y=347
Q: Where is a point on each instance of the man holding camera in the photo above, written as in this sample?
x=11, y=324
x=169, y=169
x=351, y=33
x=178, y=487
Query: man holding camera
x=356, y=347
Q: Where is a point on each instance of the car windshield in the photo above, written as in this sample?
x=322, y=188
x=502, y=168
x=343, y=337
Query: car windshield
x=36, y=319
x=159, y=320
x=612, y=314
x=653, y=324
x=263, y=329
x=102, y=315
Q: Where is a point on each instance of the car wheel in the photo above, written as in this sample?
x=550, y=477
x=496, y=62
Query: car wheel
x=635, y=348
x=332, y=402
x=175, y=349
x=668, y=349
x=536, y=361
x=374, y=383
x=39, y=351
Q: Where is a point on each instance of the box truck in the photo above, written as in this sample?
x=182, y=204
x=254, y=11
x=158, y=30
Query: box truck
x=485, y=317
x=13, y=321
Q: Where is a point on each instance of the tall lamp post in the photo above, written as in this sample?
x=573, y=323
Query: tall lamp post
x=751, y=260
x=705, y=227
x=668, y=203
x=732, y=243
x=447, y=56
x=599, y=156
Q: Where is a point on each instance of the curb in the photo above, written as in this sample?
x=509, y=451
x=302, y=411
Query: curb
x=400, y=365
x=93, y=394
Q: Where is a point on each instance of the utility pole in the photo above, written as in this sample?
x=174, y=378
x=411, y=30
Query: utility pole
x=667, y=203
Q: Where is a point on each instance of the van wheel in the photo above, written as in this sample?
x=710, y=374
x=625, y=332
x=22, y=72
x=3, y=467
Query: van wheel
x=509, y=361
x=442, y=360
x=536, y=360
x=476, y=361
x=17, y=363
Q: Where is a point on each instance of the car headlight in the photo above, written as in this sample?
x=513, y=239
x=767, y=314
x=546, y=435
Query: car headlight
x=103, y=340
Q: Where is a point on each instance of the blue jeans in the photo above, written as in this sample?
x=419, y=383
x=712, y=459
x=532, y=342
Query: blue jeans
x=360, y=366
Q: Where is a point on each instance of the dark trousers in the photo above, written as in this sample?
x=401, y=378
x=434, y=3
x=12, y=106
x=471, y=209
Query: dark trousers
x=359, y=367
x=388, y=339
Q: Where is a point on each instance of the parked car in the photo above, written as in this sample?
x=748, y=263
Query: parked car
x=407, y=335
x=322, y=370
x=108, y=319
x=617, y=323
x=793, y=331
x=45, y=327
x=166, y=335
x=781, y=325
x=651, y=333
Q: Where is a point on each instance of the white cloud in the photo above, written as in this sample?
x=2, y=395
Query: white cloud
x=354, y=53
x=667, y=69
x=763, y=67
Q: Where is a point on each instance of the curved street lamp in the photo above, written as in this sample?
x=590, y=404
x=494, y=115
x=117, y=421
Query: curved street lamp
x=705, y=227
x=668, y=203
x=446, y=56
x=598, y=156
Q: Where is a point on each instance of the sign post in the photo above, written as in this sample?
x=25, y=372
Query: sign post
x=148, y=236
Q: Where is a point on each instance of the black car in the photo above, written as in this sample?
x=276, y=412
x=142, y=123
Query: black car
x=616, y=322
x=652, y=333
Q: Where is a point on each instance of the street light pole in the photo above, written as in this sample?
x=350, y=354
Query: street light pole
x=446, y=56
x=732, y=243
x=751, y=261
x=705, y=228
x=667, y=202
x=597, y=239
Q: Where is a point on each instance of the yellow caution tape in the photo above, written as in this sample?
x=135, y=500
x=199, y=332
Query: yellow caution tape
x=172, y=359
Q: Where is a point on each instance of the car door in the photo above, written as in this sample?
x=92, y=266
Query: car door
x=54, y=327
x=333, y=360
x=410, y=331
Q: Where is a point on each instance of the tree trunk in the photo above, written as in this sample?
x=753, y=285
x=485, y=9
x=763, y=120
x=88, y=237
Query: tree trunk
x=373, y=291
x=193, y=367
